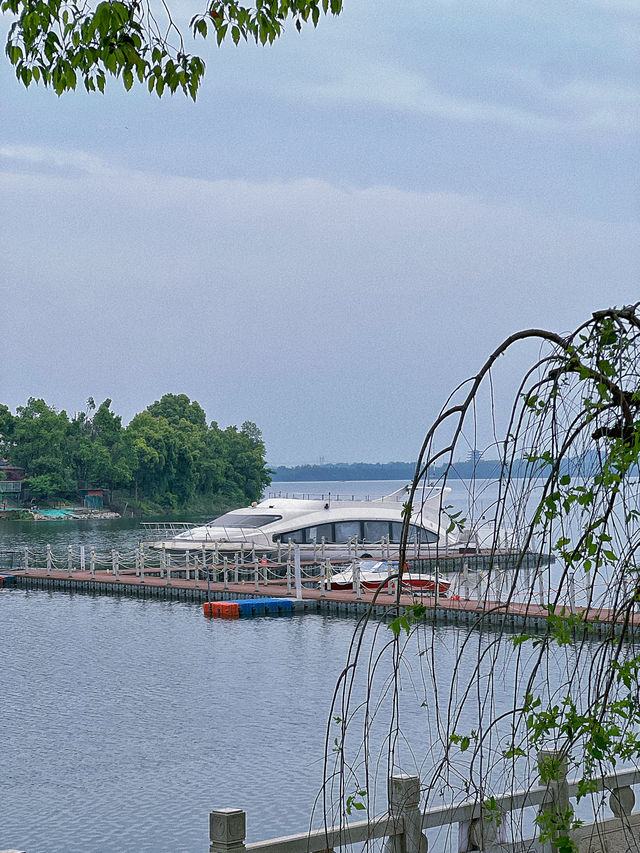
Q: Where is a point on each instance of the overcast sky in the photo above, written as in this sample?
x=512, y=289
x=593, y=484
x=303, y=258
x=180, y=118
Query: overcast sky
x=338, y=231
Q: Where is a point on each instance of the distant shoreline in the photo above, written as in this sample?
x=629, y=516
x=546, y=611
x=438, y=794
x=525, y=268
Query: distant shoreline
x=468, y=469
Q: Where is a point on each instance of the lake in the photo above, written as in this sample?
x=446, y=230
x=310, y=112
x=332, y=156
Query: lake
x=125, y=721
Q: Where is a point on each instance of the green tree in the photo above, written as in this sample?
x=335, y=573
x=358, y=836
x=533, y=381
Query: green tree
x=40, y=445
x=59, y=43
x=7, y=422
x=177, y=407
x=244, y=453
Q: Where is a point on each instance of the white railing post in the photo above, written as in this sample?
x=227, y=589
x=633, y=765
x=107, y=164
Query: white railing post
x=141, y=564
x=187, y=557
x=572, y=592
x=465, y=581
x=297, y=572
x=236, y=569
x=225, y=572
x=227, y=829
x=168, y=571
x=83, y=564
x=26, y=561
x=70, y=560
x=288, y=574
x=256, y=578
x=163, y=561
x=92, y=563
x=355, y=579
x=48, y=560
x=137, y=556
x=205, y=568
x=404, y=807
x=115, y=564
x=541, y=587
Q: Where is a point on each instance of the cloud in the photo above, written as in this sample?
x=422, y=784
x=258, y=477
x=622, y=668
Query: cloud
x=263, y=297
x=61, y=160
x=575, y=106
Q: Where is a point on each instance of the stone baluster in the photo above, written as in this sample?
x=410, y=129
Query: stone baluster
x=553, y=768
x=404, y=809
x=227, y=830
x=622, y=801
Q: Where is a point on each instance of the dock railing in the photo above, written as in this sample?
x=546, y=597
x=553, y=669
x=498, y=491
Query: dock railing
x=479, y=827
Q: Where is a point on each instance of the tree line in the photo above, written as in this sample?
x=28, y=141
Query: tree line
x=467, y=469
x=168, y=454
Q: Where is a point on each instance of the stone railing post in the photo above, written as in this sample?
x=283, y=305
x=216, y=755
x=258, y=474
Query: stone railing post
x=480, y=833
x=227, y=830
x=553, y=768
x=404, y=807
x=622, y=801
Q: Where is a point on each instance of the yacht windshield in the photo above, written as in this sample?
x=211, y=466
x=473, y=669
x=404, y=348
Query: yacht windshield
x=232, y=519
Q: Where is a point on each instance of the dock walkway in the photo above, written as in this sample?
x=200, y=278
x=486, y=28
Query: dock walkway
x=455, y=610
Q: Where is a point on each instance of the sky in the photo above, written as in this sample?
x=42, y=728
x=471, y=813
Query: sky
x=341, y=228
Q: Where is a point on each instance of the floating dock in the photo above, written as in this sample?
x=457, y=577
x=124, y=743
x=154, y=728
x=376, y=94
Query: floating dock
x=456, y=610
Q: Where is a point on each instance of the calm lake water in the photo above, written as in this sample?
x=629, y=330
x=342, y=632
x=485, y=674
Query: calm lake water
x=125, y=721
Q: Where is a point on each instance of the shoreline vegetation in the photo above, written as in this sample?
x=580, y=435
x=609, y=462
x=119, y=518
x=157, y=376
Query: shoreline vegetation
x=168, y=459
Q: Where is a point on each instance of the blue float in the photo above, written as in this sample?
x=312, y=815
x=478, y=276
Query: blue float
x=264, y=606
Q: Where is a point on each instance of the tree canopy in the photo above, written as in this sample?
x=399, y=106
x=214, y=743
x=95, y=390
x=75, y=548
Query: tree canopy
x=167, y=454
x=61, y=43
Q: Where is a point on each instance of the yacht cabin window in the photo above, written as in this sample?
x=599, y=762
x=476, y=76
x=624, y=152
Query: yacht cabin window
x=346, y=531
x=367, y=531
x=232, y=519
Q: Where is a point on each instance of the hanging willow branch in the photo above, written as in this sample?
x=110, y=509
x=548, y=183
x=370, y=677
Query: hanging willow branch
x=472, y=709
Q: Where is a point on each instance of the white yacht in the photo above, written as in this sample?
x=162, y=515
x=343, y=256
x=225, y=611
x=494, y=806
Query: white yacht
x=326, y=523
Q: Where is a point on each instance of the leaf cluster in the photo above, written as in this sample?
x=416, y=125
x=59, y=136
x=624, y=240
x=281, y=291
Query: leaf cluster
x=60, y=42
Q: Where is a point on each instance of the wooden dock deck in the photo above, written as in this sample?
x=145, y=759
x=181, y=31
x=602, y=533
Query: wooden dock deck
x=456, y=610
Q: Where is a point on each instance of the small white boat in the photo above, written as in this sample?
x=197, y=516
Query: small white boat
x=373, y=573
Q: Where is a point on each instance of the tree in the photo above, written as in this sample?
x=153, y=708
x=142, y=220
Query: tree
x=40, y=445
x=59, y=43
x=177, y=407
x=7, y=422
x=567, y=691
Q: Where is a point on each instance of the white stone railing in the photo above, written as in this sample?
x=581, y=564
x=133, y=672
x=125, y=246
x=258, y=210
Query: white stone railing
x=478, y=828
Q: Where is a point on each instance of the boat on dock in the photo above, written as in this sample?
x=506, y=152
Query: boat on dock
x=371, y=574
x=323, y=526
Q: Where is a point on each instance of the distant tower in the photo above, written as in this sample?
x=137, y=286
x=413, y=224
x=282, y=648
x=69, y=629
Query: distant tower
x=321, y=460
x=474, y=457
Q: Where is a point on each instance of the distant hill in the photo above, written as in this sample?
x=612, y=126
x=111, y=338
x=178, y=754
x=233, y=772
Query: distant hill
x=481, y=469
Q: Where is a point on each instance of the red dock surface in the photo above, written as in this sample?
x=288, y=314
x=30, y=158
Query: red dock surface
x=128, y=581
